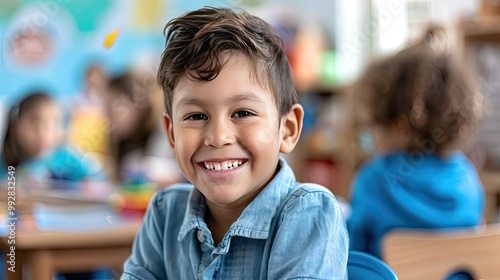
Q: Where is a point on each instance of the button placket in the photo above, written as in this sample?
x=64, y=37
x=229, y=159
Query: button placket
x=200, y=236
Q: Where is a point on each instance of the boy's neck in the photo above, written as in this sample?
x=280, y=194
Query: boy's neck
x=219, y=219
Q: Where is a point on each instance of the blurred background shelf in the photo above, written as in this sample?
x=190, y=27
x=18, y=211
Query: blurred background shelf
x=482, y=31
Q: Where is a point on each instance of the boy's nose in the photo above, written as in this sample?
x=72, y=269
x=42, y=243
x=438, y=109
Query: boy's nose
x=219, y=133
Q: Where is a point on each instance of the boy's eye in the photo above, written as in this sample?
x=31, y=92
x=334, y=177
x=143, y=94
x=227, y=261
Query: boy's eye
x=196, y=117
x=242, y=114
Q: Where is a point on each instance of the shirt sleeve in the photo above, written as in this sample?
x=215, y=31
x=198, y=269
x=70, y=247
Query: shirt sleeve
x=146, y=261
x=311, y=240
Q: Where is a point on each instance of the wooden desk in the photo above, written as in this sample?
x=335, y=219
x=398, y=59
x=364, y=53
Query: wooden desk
x=491, y=183
x=44, y=253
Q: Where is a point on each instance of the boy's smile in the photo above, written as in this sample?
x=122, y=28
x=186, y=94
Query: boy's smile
x=226, y=133
x=222, y=166
x=221, y=170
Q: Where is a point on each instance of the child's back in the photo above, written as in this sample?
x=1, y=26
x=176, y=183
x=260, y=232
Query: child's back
x=420, y=105
x=391, y=192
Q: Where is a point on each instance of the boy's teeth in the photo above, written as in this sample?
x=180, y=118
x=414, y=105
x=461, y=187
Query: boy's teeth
x=222, y=166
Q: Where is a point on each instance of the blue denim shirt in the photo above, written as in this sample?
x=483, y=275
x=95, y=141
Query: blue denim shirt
x=289, y=231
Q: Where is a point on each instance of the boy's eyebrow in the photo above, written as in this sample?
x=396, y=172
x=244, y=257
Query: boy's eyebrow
x=246, y=97
x=187, y=101
x=234, y=99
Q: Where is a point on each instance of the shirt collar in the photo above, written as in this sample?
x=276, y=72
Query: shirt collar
x=255, y=221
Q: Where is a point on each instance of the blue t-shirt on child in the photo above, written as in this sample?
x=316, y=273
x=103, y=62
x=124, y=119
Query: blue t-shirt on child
x=413, y=190
x=60, y=165
x=290, y=230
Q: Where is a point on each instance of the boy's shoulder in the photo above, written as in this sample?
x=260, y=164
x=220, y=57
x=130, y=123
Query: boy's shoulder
x=308, y=201
x=302, y=189
x=309, y=194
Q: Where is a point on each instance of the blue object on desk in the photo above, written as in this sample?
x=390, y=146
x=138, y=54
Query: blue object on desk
x=362, y=266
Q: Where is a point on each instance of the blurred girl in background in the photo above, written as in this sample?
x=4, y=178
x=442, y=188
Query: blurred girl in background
x=33, y=144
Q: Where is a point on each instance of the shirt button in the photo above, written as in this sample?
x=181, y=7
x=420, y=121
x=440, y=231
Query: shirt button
x=200, y=236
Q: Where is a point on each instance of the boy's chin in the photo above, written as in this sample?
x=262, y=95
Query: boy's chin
x=221, y=200
x=224, y=199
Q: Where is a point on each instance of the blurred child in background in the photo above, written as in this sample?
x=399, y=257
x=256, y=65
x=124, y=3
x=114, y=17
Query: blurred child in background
x=419, y=105
x=131, y=119
x=34, y=145
x=88, y=129
x=137, y=141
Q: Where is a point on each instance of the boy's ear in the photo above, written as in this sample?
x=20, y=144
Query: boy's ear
x=292, y=127
x=169, y=130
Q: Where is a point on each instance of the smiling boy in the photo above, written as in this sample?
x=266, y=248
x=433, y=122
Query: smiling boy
x=231, y=109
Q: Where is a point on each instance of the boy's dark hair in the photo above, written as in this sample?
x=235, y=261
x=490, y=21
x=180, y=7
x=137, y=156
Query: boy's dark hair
x=12, y=155
x=427, y=85
x=197, y=41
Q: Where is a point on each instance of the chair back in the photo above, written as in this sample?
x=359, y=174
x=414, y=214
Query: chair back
x=436, y=254
x=363, y=266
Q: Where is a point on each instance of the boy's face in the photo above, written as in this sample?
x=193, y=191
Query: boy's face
x=226, y=133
